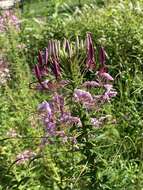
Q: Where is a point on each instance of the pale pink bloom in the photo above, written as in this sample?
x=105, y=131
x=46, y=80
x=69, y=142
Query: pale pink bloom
x=106, y=76
x=108, y=87
x=67, y=118
x=95, y=122
x=90, y=84
x=82, y=96
x=24, y=156
x=108, y=95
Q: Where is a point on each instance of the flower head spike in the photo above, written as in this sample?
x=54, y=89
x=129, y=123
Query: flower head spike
x=54, y=49
x=46, y=56
x=67, y=48
x=102, y=56
x=58, y=102
x=90, y=61
x=46, y=107
x=82, y=96
x=77, y=44
x=50, y=47
x=56, y=68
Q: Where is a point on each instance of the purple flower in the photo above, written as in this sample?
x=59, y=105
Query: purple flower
x=45, y=107
x=41, y=65
x=67, y=118
x=109, y=94
x=50, y=127
x=103, y=73
x=82, y=96
x=95, y=122
x=90, y=105
x=90, y=61
x=106, y=76
x=58, y=102
x=108, y=87
x=44, y=85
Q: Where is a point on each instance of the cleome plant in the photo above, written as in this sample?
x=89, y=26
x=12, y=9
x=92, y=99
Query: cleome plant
x=78, y=86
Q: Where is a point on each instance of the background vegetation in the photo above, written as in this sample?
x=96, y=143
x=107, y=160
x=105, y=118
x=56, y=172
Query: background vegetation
x=117, y=25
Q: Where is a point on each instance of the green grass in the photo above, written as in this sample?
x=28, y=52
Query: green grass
x=119, y=147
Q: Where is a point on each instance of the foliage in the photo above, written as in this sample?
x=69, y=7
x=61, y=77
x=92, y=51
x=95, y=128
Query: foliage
x=116, y=151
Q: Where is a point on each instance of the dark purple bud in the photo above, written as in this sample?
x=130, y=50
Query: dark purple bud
x=102, y=56
x=37, y=72
x=56, y=68
x=38, y=75
x=90, y=61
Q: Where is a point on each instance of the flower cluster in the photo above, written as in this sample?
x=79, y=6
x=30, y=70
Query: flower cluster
x=8, y=19
x=57, y=114
x=56, y=118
